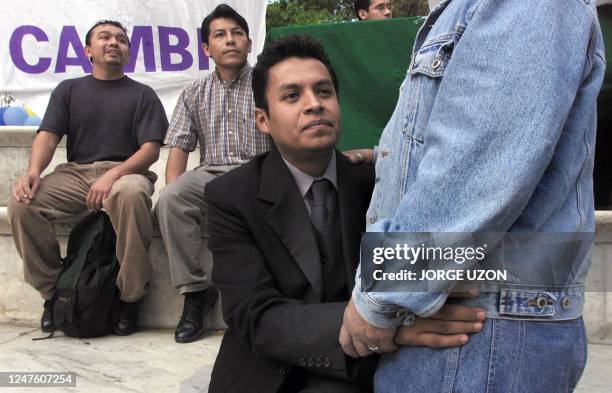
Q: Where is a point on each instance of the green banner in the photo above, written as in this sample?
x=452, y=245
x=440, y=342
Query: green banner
x=371, y=59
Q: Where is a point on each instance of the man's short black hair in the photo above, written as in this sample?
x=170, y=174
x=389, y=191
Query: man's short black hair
x=222, y=11
x=105, y=22
x=294, y=45
x=361, y=5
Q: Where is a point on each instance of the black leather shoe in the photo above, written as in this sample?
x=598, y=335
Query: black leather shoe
x=128, y=318
x=195, y=309
x=46, y=321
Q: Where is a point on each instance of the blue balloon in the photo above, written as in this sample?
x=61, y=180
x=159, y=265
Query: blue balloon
x=15, y=116
x=32, y=121
x=2, y=115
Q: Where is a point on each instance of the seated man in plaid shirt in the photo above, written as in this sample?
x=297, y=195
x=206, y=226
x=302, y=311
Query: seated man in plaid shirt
x=217, y=112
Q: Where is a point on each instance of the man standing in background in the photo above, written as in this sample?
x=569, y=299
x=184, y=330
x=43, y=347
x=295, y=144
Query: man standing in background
x=373, y=9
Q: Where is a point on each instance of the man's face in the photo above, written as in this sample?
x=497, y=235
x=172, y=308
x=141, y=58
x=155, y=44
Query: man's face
x=303, y=115
x=228, y=44
x=378, y=9
x=108, y=46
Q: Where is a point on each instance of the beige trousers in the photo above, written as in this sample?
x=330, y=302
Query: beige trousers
x=62, y=195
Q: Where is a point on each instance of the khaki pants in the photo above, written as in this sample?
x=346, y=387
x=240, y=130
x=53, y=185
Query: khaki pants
x=62, y=195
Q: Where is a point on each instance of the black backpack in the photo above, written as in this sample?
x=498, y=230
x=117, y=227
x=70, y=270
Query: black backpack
x=86, y=301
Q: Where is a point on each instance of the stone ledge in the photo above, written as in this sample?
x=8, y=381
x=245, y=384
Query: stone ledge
x=603, y=223
x=22, y=136
x=162, y=305
x=17, y=136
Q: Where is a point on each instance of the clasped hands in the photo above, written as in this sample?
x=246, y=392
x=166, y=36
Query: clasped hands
x=449, y=327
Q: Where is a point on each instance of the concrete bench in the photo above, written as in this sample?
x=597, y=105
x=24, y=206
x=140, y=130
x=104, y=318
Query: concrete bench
x=19, y=303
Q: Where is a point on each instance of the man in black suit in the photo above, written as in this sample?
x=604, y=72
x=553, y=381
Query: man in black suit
x=285, y=231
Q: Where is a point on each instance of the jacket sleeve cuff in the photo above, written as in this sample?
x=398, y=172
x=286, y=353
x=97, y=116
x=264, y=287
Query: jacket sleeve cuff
x=377, y=314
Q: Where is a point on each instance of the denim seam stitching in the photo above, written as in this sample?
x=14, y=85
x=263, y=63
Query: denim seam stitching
x=406, y=157
x=519, y=356
x=451, y=371
x=492, y=351
x=578, y=180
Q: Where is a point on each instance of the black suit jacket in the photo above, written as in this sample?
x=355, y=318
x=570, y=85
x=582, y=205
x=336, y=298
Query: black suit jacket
x=268, y=269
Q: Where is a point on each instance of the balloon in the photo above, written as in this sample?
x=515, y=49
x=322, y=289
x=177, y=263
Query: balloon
x=15, y=116
x=2, y=115
x=32, y=121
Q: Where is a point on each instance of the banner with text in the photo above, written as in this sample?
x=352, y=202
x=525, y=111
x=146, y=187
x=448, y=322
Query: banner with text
x=43, y=43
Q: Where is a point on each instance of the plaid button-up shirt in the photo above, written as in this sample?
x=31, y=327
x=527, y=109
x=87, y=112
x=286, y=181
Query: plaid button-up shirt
x=221, y=117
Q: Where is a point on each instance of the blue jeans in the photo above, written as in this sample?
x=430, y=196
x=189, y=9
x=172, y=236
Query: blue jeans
x=506, y=356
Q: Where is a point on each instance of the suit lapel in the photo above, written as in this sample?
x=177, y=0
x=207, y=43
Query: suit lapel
x=288, y=217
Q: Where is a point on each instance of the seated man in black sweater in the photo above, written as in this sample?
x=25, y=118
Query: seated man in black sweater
x=114, y=127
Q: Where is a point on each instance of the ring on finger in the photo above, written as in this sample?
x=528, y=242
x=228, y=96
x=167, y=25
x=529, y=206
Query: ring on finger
x=373, y=348
x=359, y=156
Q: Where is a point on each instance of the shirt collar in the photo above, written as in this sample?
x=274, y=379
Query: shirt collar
x=304, y=180
x=245, y=68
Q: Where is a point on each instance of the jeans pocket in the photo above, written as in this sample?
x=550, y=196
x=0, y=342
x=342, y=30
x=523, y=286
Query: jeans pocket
x=555, y=354
x=581, y=355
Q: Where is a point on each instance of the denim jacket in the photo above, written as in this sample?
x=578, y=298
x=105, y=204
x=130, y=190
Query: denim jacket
x=494, y=131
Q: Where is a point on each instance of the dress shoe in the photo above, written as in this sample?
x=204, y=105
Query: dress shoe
x=128, y=318
x=195, y=309
x=46, y=321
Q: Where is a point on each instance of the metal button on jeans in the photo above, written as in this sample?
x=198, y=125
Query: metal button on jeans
x=566, y=302
x=542, y=302
x=436, y=64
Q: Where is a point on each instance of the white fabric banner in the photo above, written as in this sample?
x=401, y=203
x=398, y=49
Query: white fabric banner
x=42, y=42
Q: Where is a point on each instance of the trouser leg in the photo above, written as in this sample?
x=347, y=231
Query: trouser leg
x=61, y=195
x=181, y=212
x=129, y=208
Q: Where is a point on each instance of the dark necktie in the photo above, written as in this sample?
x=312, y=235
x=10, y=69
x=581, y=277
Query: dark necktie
x=319, y=190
